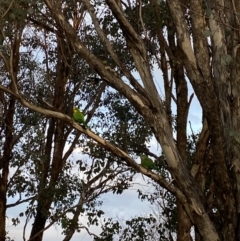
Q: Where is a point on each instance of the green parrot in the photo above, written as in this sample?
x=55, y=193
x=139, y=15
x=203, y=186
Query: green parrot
x=79, y=117
x=147, y=162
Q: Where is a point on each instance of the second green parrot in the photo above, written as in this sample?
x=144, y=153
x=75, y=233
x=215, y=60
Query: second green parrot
x=147, y=162
x=78, y=116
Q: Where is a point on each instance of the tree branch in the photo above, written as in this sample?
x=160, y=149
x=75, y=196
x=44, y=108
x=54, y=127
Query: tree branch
x=19, y=202
x=117, y=151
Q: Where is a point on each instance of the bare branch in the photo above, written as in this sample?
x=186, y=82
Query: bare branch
x=20, y=202
x=110, y=49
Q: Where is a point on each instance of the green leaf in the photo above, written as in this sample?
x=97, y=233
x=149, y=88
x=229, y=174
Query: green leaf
x=226, y=59
x=228, y=33
x=207, y=33
x=208, y=12
x=12, y=16
x=30, y=11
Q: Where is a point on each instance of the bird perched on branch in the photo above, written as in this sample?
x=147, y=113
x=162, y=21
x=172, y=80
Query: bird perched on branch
x=78, y=116
x=147, y=162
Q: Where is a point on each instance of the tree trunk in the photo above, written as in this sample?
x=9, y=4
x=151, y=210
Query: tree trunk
x=184, y=223
x=4, y=165
x=54, y=164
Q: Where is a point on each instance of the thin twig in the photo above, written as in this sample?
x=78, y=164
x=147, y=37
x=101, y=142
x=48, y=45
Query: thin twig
x=10, y=5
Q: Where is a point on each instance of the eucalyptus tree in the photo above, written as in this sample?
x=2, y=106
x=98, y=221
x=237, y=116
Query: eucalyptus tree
x=189, y=41
x=36, y=163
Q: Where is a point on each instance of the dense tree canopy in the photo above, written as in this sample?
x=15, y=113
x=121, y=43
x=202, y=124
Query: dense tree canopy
x=100, y=56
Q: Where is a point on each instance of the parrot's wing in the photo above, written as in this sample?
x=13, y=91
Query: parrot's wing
x=147, y=162
x=144, y=161
x=79, y=117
